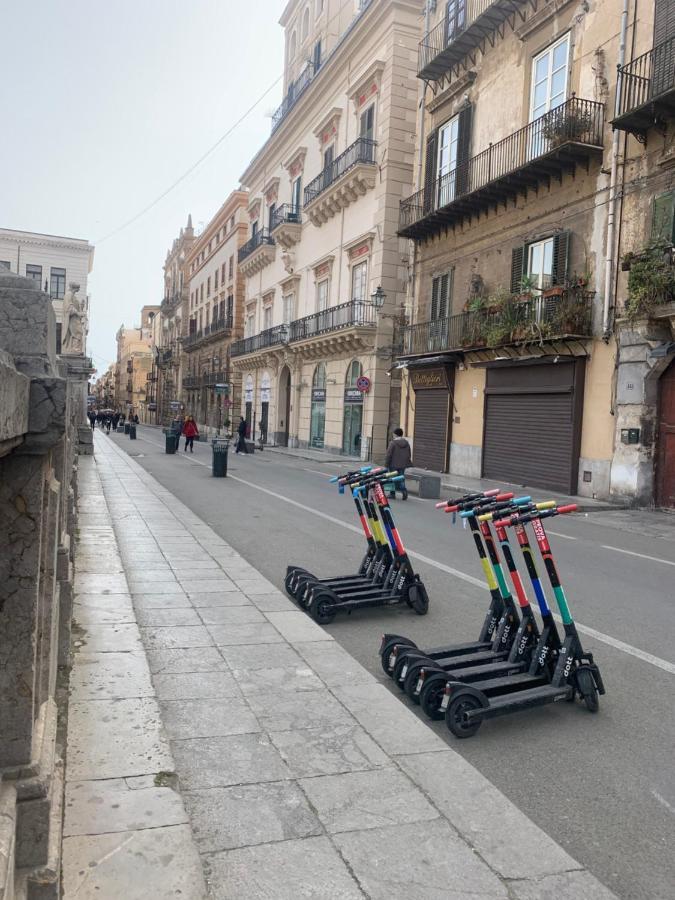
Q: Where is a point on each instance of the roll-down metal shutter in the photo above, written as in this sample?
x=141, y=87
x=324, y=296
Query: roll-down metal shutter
x=431, y=429
x=533, y=425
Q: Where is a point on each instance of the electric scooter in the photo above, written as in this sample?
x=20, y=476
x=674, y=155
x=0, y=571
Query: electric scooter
x=402, y=583
x=574, y=673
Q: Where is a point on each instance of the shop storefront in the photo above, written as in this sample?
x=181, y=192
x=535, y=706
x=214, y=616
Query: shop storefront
x=432, y=388
x=317, y=427
x=353, y=411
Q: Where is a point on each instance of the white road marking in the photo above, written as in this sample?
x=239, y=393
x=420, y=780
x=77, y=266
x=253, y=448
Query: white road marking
x=315, y=472
x=666, y=562
x=568, y=537
x=664, y=802
x=470, y=579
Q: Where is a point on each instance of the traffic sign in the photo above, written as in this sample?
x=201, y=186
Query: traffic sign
x=363, y=384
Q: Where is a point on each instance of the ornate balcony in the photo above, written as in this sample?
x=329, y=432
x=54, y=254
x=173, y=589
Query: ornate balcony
x=516, y=323
x=295, y=90
x=455, y=37
x=548, y=147
x=217, y=328
x=286, y=225
x=271, y=337
x=191, y=382
x=347, y=326
x=647, y=90
x=342, y=182
x=256, y=253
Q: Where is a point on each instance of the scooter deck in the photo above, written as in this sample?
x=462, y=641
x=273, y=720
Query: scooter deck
x=512, y=683
x=502, y=668
x=536, y=696
x=454, y=649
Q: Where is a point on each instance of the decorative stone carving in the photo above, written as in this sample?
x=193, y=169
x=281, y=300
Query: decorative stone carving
x=72, y=341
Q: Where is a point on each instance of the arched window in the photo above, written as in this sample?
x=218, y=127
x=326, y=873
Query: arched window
x=354, y=372
x=319, y=380
x=292, y=47
x=305, y=24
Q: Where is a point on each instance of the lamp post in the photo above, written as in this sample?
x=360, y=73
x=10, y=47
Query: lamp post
x=378, y=298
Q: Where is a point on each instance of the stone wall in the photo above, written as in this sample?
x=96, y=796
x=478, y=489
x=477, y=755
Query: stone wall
x=42, y=400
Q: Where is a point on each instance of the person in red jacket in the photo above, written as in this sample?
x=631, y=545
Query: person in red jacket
x=190, y=432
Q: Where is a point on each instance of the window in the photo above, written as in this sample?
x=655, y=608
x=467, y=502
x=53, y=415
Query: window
x=322, y=295
x=448, y=145
x=455, y=17
x=254, y=228
x=288, y=308
x=215, y=280
x=267, y=318
x=222, y=273
x=549, y=78
x=270, y=215
x=249, y=327
x=4, y=264
x=57, y=283
x=543, y=263
x=305, y=24
x=328, y=156
x=231, y=222
x=296, y=193
x=540, y=264
x=201, y=291
x=208, y=286
x=34, y=272
x=360, y=281
x=663, y=219
x=367, y=125
x=441, y=289
x=231, y=267
x=230, y=307
x=59, y=329
x=316, y=56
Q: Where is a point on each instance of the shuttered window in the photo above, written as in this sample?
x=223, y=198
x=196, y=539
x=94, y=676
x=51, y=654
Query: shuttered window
x=464, y=150
x=441, y=291
x=520, y=260
x=664, y=21
x=430, y=172
x=663, y=219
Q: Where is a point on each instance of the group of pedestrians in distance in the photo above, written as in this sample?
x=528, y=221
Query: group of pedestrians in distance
x=106, y=419
x=187, y=428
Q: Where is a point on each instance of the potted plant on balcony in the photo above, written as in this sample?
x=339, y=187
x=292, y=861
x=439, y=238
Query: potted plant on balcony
x=651, y=282
x=528, y=284
x=564, y=124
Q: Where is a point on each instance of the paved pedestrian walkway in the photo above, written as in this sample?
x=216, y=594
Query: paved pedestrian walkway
x=198, y=686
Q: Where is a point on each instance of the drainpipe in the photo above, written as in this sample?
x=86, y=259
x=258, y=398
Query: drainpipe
x=611, y=215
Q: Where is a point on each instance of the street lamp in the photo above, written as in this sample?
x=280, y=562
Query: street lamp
x=378, y=298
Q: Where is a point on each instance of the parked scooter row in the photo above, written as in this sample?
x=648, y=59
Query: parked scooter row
x=515, y=663
x=385, y=575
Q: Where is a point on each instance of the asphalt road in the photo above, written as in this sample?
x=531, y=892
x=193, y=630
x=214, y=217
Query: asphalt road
x=603, y=786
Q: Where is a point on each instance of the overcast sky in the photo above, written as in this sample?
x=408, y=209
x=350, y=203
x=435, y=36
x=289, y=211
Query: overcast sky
x=105, y=103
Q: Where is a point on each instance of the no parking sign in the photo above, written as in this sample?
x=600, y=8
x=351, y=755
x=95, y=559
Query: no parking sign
x=363, y=384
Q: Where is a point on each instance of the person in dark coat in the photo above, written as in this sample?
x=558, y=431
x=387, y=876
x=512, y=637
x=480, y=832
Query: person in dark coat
x=115, y=420
x=190, y=432
x=398, y=458
x=241, y=436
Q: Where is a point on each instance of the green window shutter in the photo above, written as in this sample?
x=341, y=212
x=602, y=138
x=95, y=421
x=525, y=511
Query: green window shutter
x=430, y=172
x=561, y=252
x=518, y=257
x=663, y=219
x=435, y=287
x=462, y=184
x=443, y=296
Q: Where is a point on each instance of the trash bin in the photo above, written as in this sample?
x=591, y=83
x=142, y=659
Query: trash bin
x=170, y=441
x=127, y=426
x=132, y=432
x=220, y=447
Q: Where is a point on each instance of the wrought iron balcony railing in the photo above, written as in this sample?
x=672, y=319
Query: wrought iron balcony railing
x=335, y=318
x=295, y=90
x=459, y=32
x=209, y=379
x=552, y=143
x=259, y=238
x=361, y=151
x=516, y=321
x=646, y=89
x=270, y=337
x=190, y=382
x=286, y=213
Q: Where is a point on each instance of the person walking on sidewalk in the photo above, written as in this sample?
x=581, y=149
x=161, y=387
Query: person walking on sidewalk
x=190, y=432
x=399, y=458
x=241, y=436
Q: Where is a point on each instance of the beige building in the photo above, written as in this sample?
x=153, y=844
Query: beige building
x=510, y=357
x=134, y=364
x=214, y=317
x=325, y=275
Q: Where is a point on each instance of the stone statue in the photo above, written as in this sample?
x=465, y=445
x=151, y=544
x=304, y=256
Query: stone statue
x=72, y=340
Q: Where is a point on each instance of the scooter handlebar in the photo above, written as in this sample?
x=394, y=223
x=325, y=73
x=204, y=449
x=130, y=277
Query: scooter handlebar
x=467, y=498
x=537, y=514
x=494, y=507
x=474, y=505
x=489, y=516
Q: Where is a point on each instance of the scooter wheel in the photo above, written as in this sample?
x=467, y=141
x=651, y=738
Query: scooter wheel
x=418, y=598
x=587, y=689
x=321, y=609
x=462, y=703
x=431, y=695
x=412, y=677
x=387, y=649
x=290, y=582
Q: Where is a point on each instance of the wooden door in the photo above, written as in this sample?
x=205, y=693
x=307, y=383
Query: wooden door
x=665, y=452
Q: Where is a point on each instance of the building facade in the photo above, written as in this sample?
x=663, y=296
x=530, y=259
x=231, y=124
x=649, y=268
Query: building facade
x=134, y=364
x=324, y=273
x=643, y=466
x=510, y=359
x=54, y=262
x=214, y=317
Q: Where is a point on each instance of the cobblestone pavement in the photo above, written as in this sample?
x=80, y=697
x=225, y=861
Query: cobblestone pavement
x=198, y=687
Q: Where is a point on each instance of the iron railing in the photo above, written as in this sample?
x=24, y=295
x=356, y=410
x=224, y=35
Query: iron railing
x=295, y=90
x=569, y=314
x=335, y=318
x=270, y=337
x=209, y=379
x=647, y=78
x=361, y=151
x=213, y=328
x=452, y=27
x=287, y=212
x=190, y=382
x=576, y=121
x=262, y=236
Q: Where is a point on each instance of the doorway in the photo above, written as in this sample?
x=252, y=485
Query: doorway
x=353, y=411
x=284, y=407
x=665, y=448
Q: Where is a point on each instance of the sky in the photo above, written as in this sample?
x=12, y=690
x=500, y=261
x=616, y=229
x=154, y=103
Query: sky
x=105, y=104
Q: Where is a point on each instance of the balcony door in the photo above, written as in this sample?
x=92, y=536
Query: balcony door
x=540, y=261
x=296, y=202
x=446, y=171
x=359, y=290
x=549, y=90
x=455, y=17
x=441, y=288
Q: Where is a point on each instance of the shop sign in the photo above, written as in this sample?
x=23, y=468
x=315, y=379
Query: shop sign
x=152, y=407
x=249, y=389
x=318, y=395
x=265, y=388
x=353, y=395
x=175, y=404
x=428, y=378
x=222, y=389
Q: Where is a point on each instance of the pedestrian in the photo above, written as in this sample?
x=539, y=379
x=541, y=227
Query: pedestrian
x=190, y=432
x=241, y=436
x=135, y=419
x=92, y=419
x=115, y=420
x=399, y=458
x=108, y=422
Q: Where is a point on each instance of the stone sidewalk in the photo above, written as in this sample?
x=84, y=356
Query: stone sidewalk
x=301, y=774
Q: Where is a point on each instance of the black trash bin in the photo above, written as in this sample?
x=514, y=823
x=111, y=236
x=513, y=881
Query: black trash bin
x=132, y=432
x=127, y=426
x=220, y=447
x=170, y=441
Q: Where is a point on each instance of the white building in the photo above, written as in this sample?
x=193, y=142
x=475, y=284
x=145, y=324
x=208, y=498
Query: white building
x=53, y=261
